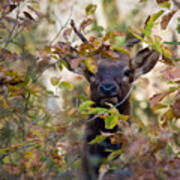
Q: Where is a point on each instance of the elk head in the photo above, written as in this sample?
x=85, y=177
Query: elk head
x=113, y=77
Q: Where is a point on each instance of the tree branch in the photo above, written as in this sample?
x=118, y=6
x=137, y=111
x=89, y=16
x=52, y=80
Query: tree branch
x=62, y=28
x=79, y=34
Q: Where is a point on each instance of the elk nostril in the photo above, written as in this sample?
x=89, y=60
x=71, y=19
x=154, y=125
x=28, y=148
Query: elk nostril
x=108, y=88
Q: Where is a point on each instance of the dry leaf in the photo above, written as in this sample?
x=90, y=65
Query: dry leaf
x=171, y=73
x=76, y=62
x=110, y=53
x=156, y=99
x=176, y=106
x=72, y=111
x=67, y=33
x=85, y=23
x=166, y=19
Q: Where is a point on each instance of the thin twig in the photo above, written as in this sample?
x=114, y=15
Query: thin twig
x=55, y=138
x=79, y=34
x=135, y=41
x=10, y=35
x=23, y=147
x=62, y=28
x=50, y=65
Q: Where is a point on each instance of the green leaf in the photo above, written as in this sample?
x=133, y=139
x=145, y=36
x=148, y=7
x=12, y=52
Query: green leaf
x=98, y=139
x=155, y=16
x=26, y=79
x=55, y=57
x=172, y=124
x=65, y=85
x=99, y=110
x=122, y=50
x=151, y=22
x=157, y=45
x=2, y=151
x=77, y=163
x=169, y=115
x=159, y=106
x=91, y=64
x=123, y=117
x=172, y=43
x=98, y=28
x=60, y=66
x=85, y=106
x=178, y=28
x=113, y=34
x=55, y=81
x=90, y=9
x=6, y=160
x=114, y=154
x=135, y=33
x=169, y=150
x=173, y=89
x=110, y=121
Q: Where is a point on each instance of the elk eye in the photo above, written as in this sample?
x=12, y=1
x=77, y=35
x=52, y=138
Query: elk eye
x=127, y=72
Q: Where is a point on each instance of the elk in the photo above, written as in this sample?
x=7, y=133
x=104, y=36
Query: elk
x=111, y=83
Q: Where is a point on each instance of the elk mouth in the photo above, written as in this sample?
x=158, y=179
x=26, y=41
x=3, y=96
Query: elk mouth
x=112, y=100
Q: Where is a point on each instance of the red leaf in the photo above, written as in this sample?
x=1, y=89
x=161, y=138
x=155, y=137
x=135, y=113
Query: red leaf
x=157, y=98
x=76, y=62
x=110, y=53
x=67, y=33
x=113, y=34
x=85, y=23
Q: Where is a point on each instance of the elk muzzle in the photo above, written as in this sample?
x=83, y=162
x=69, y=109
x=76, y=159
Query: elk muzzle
x=108, y=89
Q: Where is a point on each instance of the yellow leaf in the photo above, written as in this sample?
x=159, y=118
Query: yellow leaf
x=98, y=139
x=91, y=64
x=159, y=106
x=55, y=81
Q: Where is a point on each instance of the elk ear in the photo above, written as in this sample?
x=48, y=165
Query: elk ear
x=77, y=66
x=143, y=62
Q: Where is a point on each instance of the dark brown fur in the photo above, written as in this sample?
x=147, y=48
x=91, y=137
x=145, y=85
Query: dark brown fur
x=111, y=83
x=113, y=72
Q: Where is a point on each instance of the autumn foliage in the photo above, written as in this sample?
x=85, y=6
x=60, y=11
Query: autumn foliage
x=35, y=144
